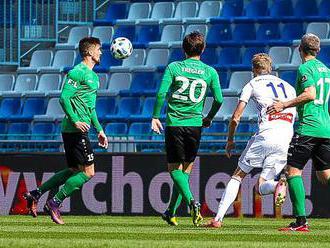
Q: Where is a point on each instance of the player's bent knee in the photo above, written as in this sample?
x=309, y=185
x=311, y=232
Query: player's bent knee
x=89, y=170
x=292, y=171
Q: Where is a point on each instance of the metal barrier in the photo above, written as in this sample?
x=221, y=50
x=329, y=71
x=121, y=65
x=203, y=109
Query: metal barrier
x=9, y=30
x=75, y=11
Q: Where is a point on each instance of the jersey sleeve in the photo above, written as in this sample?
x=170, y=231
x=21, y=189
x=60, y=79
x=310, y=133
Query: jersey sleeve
x=217, y=94
x=246, y=93
x=305, y=77
x=163, y=89
x=70, y=88
x=95, y=121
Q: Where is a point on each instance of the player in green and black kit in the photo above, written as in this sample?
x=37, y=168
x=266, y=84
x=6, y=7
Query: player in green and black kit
x=312, y=138
x=78, y=102
x=187, y=82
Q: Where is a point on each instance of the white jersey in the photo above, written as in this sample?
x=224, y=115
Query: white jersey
x=264, y=90
x=268, y=148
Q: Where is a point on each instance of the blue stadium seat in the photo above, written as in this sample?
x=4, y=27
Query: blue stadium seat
x=228, y=56
x=127, y=106
x=223, y=77
x=75, y=35
x=48, y=83
x=137, y=58
x=176, y=55
x=3, y=130
x=62, y=59
x=215, y=128
x=42, y=131
x=146, y=112
x=107, y=60
x=31, y=107
x=243, y=132
x=105, y=106
x=170, y=33
x=218, y=33
x=7, y=82
x=247, y=57
x=127, y=31
x=114, y=11
x=117, y=82
x=18, y=131
x=253, y=10
x=230, y=9
x=139, y=130
x=288, y=76
x=183, y=10
x=54, y=111
x=303, y=11
x=265, y=33
x=278, y=11
x=290, y=31
x=39, y=58
x=238, y=79
x=210, y=56
x=242, y=32
x=116, y=129
x=9, y=107
x=143, y=84
x=105, y=34
x=207, y=10
x=324, y=55
x=137, y=11
x=324, y=10
x=160, y=11
x=24, y=83
x=146, y=34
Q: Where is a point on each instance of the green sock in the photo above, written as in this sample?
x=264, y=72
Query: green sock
x=175, y=202
x=182, y=185
x=73, y=183
x=176, y=197
x=297, y=195
x=55, y=181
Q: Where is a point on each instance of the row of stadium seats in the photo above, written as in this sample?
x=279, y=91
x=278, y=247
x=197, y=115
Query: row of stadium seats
x=270, y=33
x=108, y=109
x=118, y=83
x=215, y=11
x=135, y=130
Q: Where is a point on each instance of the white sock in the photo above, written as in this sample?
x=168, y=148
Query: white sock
x=267, y=187
x=227, y=198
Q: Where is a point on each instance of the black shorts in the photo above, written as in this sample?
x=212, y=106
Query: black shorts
x=302, y=148
x=78, y=149
x=182, y=143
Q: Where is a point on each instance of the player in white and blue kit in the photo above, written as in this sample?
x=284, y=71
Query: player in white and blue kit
x=268, y=148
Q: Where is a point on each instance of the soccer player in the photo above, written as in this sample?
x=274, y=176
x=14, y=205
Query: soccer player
x=187, y=82
x=312, y=137
x=78, y=102
x=268, y=148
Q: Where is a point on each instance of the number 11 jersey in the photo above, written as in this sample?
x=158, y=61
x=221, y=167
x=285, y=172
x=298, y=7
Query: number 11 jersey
x=187, y=83
x=264, y=90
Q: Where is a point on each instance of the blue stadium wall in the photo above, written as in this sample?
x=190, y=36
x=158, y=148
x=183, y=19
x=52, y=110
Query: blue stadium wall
x=138, y=184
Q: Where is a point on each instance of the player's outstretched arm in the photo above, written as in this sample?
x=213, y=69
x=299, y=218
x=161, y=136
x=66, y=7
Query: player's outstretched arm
x=156, y=126
x=232, y=127
x=308, y=95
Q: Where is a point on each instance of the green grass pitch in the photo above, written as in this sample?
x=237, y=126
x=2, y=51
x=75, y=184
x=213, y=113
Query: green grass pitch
x=109, y=231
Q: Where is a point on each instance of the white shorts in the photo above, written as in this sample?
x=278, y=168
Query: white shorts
x=267, y=154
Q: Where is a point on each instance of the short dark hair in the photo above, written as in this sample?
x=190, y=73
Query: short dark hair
x=193, y=44
x=310, y=44
x=86, y=43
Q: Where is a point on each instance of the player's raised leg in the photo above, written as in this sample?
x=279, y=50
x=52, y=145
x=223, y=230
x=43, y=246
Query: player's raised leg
x=55, y=181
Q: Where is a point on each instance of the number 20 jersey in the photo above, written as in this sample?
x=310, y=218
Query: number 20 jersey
x=264, y=90
x=188, y=82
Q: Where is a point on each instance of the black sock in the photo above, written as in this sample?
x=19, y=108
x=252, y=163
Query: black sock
x=301, y=220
